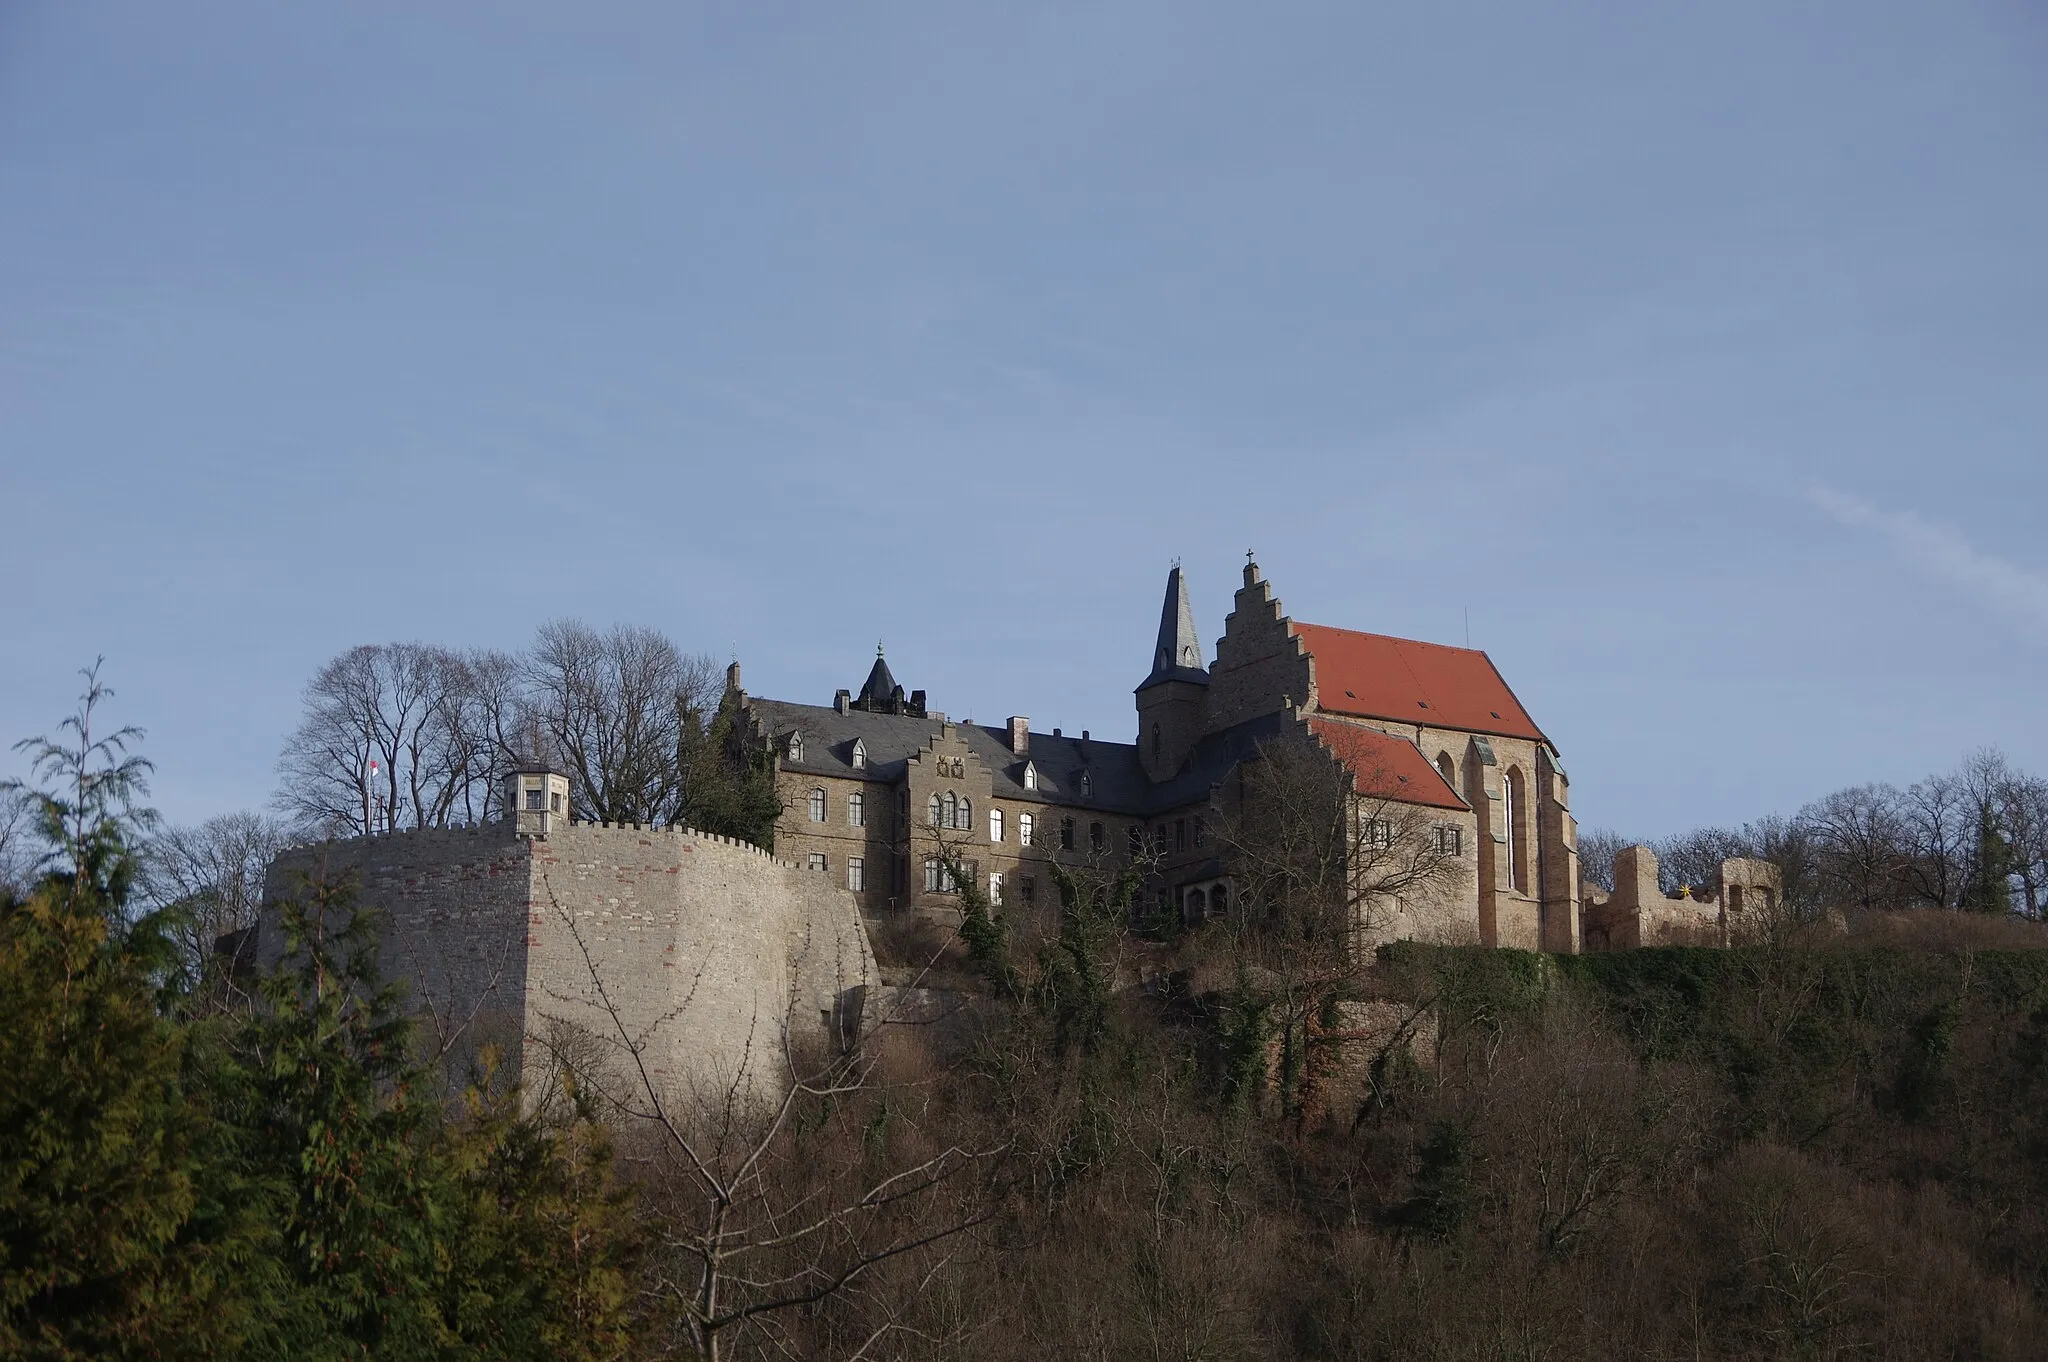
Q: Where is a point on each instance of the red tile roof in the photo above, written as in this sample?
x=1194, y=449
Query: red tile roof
x=1377, y=677
x=1385, y=767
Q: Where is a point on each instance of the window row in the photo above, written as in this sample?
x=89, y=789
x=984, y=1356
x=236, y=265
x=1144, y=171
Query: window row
x=856, y=869
x=856, y=808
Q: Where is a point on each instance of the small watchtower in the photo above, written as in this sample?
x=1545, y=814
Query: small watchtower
x=536, y=798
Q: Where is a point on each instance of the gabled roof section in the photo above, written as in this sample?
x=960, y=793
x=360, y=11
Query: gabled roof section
x=1177, y=656
x=1377, y=677
x=1385, y=767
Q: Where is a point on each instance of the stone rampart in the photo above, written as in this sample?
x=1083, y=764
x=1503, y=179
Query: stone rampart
x=713, y=959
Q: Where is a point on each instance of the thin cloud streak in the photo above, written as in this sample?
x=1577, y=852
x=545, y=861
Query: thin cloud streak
x=1944, y=553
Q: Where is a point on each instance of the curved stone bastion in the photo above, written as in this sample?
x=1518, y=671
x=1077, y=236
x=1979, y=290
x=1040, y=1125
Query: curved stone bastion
x=551, y=938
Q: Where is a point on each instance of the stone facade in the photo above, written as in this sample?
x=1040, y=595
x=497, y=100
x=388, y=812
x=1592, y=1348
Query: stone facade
x=874, y=787
x=711, y=952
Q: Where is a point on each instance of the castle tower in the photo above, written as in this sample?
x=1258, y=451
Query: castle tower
x=1173, y=699
x=536, y=799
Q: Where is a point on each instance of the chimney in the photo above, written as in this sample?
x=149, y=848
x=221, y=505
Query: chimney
x=1056, y=733
x=1084, y=744
x=732, y=677
x=1020, y=734
x=842, y=700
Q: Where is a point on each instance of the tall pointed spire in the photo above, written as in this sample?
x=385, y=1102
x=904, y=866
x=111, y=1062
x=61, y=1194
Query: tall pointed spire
x=1177, y=656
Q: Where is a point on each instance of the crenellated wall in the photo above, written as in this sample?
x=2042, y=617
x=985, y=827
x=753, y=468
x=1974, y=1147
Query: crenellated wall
x=706, y=952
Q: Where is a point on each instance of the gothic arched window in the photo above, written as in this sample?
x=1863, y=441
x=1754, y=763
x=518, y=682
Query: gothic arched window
x=949, y=810
x=932, y=812
x=963, y=819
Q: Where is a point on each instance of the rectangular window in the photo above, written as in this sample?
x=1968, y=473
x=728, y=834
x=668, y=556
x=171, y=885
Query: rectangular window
x=1066, y=834
x=1201, y=832
x=537, y=801
x=1095, y=836
x=816, y=860
x=1379, y=834
x=856, y=873
x=995, y=890
x=856, y=810
x=1024, y=829
x=1028, y=887
x=1180, y=834
x=995, y=825
x=1450, y=839
x=933, y=875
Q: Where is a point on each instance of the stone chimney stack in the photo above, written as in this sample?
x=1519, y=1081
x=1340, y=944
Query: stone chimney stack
x=842, y=700
x=1020, y=734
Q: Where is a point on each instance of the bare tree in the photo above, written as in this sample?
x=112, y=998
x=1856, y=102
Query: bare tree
x=1322, y=859
x=1941, y=819
x=214, y=872
x=1597, y=850
x=385, y=743
x=17, y=834
x=626, y=712
x=1858, y=834
x=762, y=1204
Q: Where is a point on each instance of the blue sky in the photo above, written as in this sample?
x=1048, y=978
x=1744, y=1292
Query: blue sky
x=1699, y=352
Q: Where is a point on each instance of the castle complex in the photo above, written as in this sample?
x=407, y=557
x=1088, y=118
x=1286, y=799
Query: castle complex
x=708, y=957
x=882, y=794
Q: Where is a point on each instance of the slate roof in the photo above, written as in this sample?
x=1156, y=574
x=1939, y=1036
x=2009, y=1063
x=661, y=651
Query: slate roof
x=1117, y=780
x=1375, y=676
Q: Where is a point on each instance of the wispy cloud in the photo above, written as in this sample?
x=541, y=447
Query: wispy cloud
x=1943, y=552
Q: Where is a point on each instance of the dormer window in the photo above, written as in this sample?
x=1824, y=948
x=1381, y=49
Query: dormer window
x=796, y=747
x=1030, y=776
x=860, y=755
x=1087, y=786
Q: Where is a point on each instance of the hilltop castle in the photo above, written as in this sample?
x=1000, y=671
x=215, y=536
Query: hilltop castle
x=708, y=956
x=873, y=783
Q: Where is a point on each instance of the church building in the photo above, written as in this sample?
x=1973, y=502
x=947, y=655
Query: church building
x=876, y=785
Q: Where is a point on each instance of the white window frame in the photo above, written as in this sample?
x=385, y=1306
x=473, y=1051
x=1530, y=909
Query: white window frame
x=817, y=804
x=995, y=889
x=857, y=873
x=860, y=755
x=995, y=825
x=816, y=861
x=1030, y=775
x=1024, y=828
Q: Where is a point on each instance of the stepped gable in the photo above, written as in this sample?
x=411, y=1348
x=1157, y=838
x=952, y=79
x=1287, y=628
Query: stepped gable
x=1374, y=676
x=1385, y=767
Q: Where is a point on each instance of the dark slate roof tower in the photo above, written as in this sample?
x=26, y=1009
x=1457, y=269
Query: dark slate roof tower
x=880, y=694
x=1173, y=698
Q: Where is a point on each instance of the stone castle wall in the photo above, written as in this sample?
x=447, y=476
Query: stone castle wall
x=713, y=955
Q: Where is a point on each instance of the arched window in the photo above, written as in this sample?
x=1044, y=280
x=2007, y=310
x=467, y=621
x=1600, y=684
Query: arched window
x=1095, y=836
x=949, y=810
x=1197, y=906
x=1513, y=816
x=1024, y=824
x=1219, y=900
x=932, y=812
x=796, y=747
x=1087, y=786
x=964, y=819
x=995, y=825
x=856, y=810
x=1449, y=768
x=860, y=755
x=1030, y=776
x=817, y=806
